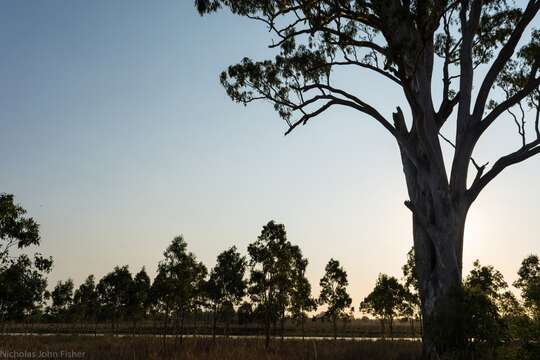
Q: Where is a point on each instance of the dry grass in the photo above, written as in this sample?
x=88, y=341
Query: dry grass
x=148, y=348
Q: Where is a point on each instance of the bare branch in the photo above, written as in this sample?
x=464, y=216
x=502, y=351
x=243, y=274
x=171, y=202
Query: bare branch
x=370, y=67
x=524, y=153
x=508, y=103
x=354, y=103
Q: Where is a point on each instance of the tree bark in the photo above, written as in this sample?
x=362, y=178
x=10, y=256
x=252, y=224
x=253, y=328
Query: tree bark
x=438, y=226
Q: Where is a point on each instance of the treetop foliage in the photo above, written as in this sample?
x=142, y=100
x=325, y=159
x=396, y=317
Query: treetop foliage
x=23, y=286
x=226, y=282
x=529, y=283
x=15, y=227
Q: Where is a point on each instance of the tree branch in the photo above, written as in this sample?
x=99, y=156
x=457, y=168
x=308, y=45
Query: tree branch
x=516, y=157
x=508, y=103
x=502, y=58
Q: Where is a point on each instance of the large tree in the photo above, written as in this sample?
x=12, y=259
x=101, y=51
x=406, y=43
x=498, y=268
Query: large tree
x=405, y=42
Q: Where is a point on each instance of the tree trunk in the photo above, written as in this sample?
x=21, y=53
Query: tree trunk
x=439, y=272
x=214, y=321
x=334, y=322
x=438, y=225
x=182, y=326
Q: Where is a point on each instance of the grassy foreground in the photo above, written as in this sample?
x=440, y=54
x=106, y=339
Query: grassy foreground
x=108, y=347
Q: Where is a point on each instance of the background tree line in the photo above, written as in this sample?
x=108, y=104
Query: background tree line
x=266, y=287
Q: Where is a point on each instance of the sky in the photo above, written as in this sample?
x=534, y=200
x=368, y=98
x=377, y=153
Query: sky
x=116, y=136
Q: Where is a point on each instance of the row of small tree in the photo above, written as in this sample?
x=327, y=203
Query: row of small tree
x=275, y=290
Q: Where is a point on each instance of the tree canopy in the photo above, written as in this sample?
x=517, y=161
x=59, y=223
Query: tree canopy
x=23, y=286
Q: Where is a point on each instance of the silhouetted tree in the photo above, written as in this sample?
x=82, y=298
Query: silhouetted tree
x=62, y=300
x=86, y=301
x=16, y=229
x=23, y=286
x=334, y=293
x=160, y=299
x=270, y=264
x=179, y=282
x=245, y=313
x=483, y=291
x=385, y=301
x=138, y=300
x=301, y=300
x=113, y=293
x=524, y=322
x=411, y=307
x=529, y=283
x=400, y=42
x=226, y=285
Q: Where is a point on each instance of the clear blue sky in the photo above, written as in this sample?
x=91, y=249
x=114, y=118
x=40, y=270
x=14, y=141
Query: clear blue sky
x=116, y=136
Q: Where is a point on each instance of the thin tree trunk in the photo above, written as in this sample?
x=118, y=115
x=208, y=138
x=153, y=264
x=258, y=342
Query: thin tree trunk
x=214, y=321
x=176, y=322
x=182, y=326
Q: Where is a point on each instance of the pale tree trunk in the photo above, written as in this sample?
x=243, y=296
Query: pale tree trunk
x=438, y=227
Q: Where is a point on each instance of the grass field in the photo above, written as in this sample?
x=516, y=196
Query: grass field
x=130, y=348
